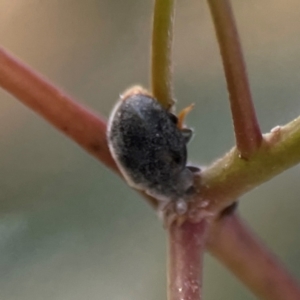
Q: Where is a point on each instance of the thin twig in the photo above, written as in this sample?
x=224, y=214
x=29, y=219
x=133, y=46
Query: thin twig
x=246, y=127
x=162, y=38
x=186, y=249
x=186, y=242
x=81, y=125
x=237, y=248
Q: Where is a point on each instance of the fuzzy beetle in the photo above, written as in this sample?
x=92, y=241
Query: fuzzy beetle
x=148, y=144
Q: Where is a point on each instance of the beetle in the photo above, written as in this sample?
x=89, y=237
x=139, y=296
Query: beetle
x=148, y=143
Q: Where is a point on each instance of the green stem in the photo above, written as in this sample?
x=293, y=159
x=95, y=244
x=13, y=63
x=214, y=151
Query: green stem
x=162, y=38
x=230, y=177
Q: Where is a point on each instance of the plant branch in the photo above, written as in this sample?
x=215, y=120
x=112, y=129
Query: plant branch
x=247, y=132
x=220, y=184
x=74, y=120
x=240, y=251
x=81, y=125
x=186, y=249
x=225, y=180
x=230, y=177
x=162, y=38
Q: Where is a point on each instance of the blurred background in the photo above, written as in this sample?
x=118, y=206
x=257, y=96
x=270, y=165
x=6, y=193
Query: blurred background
x=70, y=228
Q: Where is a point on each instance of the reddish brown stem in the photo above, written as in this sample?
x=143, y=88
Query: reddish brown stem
x=246, y=127
x=236, y=247
x=84, y=127
x=81, y=125
x=186, y=248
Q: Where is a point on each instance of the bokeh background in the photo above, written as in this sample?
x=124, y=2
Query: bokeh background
x=70, y=228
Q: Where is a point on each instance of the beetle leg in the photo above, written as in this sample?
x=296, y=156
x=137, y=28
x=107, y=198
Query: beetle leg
x=173, y=118
x=182, y=115
x=194, y=169
x=187, y=134
x=172, y=212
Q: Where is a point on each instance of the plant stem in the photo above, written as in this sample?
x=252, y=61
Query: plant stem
x=59, y=109
x=225, y=180
x=237, y=248
x=80, y=124
x=247, y=132
x=186, y=249
x=230, y=177
x=162, y=38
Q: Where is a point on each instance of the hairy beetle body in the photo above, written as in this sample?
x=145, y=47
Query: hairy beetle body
x=149, y=148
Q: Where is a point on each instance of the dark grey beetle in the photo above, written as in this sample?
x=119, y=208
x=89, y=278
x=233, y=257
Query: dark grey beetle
x=148, y=144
